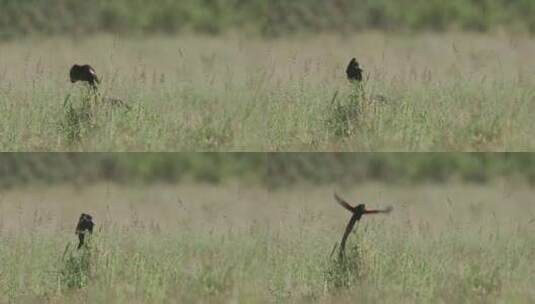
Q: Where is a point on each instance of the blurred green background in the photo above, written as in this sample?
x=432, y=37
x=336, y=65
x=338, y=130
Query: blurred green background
x=265, y=169
x=265, y=17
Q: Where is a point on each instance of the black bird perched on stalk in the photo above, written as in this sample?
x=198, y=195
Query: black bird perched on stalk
x=84, y=73
x=85, y=226
x=353, y=71
x=87, y=73
x=357, y=212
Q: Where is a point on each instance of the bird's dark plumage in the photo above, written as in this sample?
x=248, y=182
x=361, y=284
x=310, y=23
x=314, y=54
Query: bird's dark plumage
x=85, y=226
x=353, y=71
x=84, y=73
x=357, y=212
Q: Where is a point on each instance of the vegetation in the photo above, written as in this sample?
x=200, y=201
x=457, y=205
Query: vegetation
x=273, y=170
x=229, y=94
x=242, y=244
x=266, y=17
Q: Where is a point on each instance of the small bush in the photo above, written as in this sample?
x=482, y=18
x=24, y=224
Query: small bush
x=76, y=120
x=344, y=272
x=346, y=114
x=76, y=267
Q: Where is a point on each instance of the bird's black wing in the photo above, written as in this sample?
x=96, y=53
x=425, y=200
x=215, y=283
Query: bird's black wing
x=344, y=204
x=349, y=69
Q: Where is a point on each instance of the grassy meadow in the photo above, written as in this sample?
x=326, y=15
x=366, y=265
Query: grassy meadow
x=444, y=92
x=186, y=243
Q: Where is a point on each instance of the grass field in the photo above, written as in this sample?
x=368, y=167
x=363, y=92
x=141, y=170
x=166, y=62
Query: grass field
x=230, y=244
x=446, y=92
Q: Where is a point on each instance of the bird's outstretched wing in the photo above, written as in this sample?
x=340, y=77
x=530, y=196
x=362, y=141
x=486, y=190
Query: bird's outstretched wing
x=375, y=211
x=343, y=203
x=388, y=209
x=348, y=68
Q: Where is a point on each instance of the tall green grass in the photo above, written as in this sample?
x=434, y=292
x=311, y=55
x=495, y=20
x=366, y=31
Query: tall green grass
x=395, y=262
x=212, y=94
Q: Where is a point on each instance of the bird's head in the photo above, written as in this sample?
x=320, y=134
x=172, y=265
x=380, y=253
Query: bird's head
x=85, y=217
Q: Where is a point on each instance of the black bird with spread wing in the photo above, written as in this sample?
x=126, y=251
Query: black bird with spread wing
x=357, y=212
x=85, y=226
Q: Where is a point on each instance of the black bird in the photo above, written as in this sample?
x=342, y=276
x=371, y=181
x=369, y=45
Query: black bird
x=357, y=212
x=84, y=73
x=353, y=71
x=85, y=226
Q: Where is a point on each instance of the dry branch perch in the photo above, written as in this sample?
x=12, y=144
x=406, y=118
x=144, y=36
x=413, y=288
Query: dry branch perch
x=116, y=102
x=357, y=212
